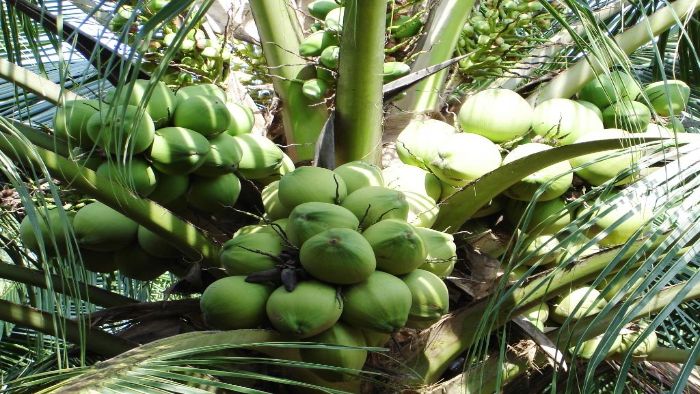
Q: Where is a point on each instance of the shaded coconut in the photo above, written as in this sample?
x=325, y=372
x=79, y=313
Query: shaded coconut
x=254, y=228
x=482, y=113
x=311, y=218
x=619, y=218
x=206, y=115
x=408, y=178
x=330, y=56
x=224, y=154
x=71, y=119
x=607, y=89
x=628, y=115
x=576, y=304
x=205, y=89
x=441, y=251
x=155, y=245
x=98, y=261
x=668, y=98
x=397, y=246
x=631, y=334
x=135, y=175
x=260, y=157
x=334, y=20
x=416, y=143
x=600, y=171
x=339, y=334
x=100, y=228
x=320, y=8
x=464, y=157
x=429, y=295
x=592, y=107
x=311, y=184
x=538, y=313
x=232, y=303
x=564, y=120
x=589, y=347
x=52, y=228
x=273, y=206
x=381, y=303
x=540, y=250
x=395, y=70
x=169, y=187
x=358, y=174
x=339, y=256
x=315, y=89
x=286, y=167
x=375, y=338
x=554, y=212
x=251, y=252
x=315, y=43
x=489, y=209
x=374, y=203
x=311, y=308
x=611, y=286
x=178, y=151
x=555, y=179
x=242, y=119
x=422, y=210
x=214, y=194
x=133, y=262
x=121, y=130
x=160, y=105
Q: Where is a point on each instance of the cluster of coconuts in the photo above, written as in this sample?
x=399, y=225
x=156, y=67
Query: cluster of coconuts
x=336, y=260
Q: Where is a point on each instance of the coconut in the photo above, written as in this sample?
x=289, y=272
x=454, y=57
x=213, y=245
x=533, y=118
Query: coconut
x=555, y=179
x=422, y=210
x=224, y=154
x=71, y=119
x=133, y=262
x=358, y=174
x=286, y=167
x=657, y=131
x=578, y=303
x=375, y=338
x=100, y=228
x=381, y=303
x=408, y=178
x=260, y=157
x=253, y=228
x=155, y=245
x=311, y=184
x=374, y=203
x=98, y=261
x=273, y=206
x=397, y=246
x=339, y=334
x=441, y=251
x=668, y=98
x=314, y=89
x=231, y=303
x=628, y=115
x=430, y=298
x=330, y=57
x=564, y=120
x=464, y=157
x=160, y=105
x=490, y=208
x=315, y=43
x=538, y=313
x=311, y=308
x=395, y=70
x=311, y=218
x=178, y=151
x=135, y=175
x=320, y=8
x=634, y=212
x=592, y=107
x=607, y=89
x=214, y=194
x=123, y=129
x=553, y=212
x=600, y=171
x=589, y=347
x=242, y=119
x=631, y=334
x=610, y=290
x=334, y=20
x=54, y=231
x=206, y=115
x=482, y=113
x=205, y=89
x=340, y=256
x=169, y=187
x=540, y=250
x=252, y=252
x=416, y=143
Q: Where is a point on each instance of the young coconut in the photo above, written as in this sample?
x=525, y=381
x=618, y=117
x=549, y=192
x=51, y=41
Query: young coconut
x=464, y=157
x=98, y=261
x=668, y=98
x=619, y=218
x=422, y=210
x=242, y=119
x=630, y=334
x=407, y=178
x=339, y=256
x=54, y=231
x=286, y=167
x=214, y=195
x=592, y=107
x=320, y=8
x=231, y=303
x=311, y=184
x=540, y=250
x=206, y=115
x=607, y=89
x=135, y=175
x=121, y=129
x=358, y=174
x=632, y=116
x=397, y=246
x=314, y=44
x=273, y=206
x=416, y=143
x=538, y=313
x=178, y=151
x=160, y=105
x=555, y=179
x=589, y=347
x=311, y=308
x=205, y=89
x=311, y=218
x=551, y=216
x=381, y=303
x=482, y=113
x=339, y=334
x=610, y=289
x=334, y=20
x=71, y=119
x=169, y=187
x=92, y=232
x=430, y=298
x=564, y=120
x=155, y=245
x=133, y=262
x=374, y=203
x=251, y=252
x=224, y=154
x=578, y=303
x=441, y=251
x=600, y=171
x=260, y=157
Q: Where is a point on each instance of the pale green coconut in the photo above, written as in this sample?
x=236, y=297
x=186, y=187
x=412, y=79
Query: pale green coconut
x=607, y=89
x=541, y=250
x=441, y=251
x=311, y=184
x=334, y=20
x=658, y=131
x=407, y=178
x=339, y=334
x=98, y=261
x=340, y=256
x=600, y=171
x=538, y=313
x=636, y=211
x=311, y=308
x=320, y=8
x=260, y=157
x=576, y=304
x=397, y=246
x=430, y=298
x=631, y=333
x=610, y=290
x=286, y=167
x=628, y=115
x=178, y=151
x=223, y=156
x=463, y=158
x=215, y=194
x=483, y=114
x=592, y=107
x=100, y=228
x=558, y=174
x=155, y=245
x=205, y=89
x=273, y=206
x=160, y=104
x=169, y=187
x=206, y=115
x=667, y=98
x=395, y=70
x=589, y=347
x=71, y=119
x=242, y=119
x=359, y=174
x=416, y=143
x=231, y=303
x=135, y=175
x=54, y=231
x=422, y=210
x=252, y=252
x=564, y=120
x=315, y=43
x=381, y=303
x=311, y=218
x=121, y=130
x=134, y=263
x=554, y=212
x=374, y=203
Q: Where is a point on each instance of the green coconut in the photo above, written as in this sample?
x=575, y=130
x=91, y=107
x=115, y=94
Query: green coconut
x=634, y=212
x=576, y=304
x=134, y=263
x=564, y=120
x=260, y=157
x=215, y=194
x=252, y=252
x=359, y=174
x=71, y=119
x=231, y=303
x=169, y=187
x=178, y=151
x=206, y=115
x=54, y=231
x=98, y=261
x=224, y=154
x=314, y=89
x=395, y=70
x=492, y=207
x=668, y=98
x=311, y=184
x=600, y=171
x=658, y=131
x=631, y=334
x=422, y=210
x=311, y=218
x=160, y=105
x=610, y=289
x=541, y=250
x=628, y=115
x=430, y=298
x=375, y=338
x=330, y=57
x=155, y=245
x=311, y=308
x=320, y=8
x=482, y=113
x=242, y=119
x=340, y=256
x=592, y=107
x=381, y=303
x=538, y=313
x=100, y=228
x=407, y=178
x=589, y=347
x=286, y=167
x=315, y=43
x=205, y=89
x=339, y=334
x=416, y=143
x=334, y=20
x=554, y=212
x=273, y=206
x=121, y=129
x=397, y=246
x=441, y=251
x=374, y=203
x=135, y=175
x=607, y=89
x=555, y=179
x=253, y=228
x=463, y=158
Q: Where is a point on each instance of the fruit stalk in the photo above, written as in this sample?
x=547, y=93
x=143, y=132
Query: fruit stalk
x=31, y=82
